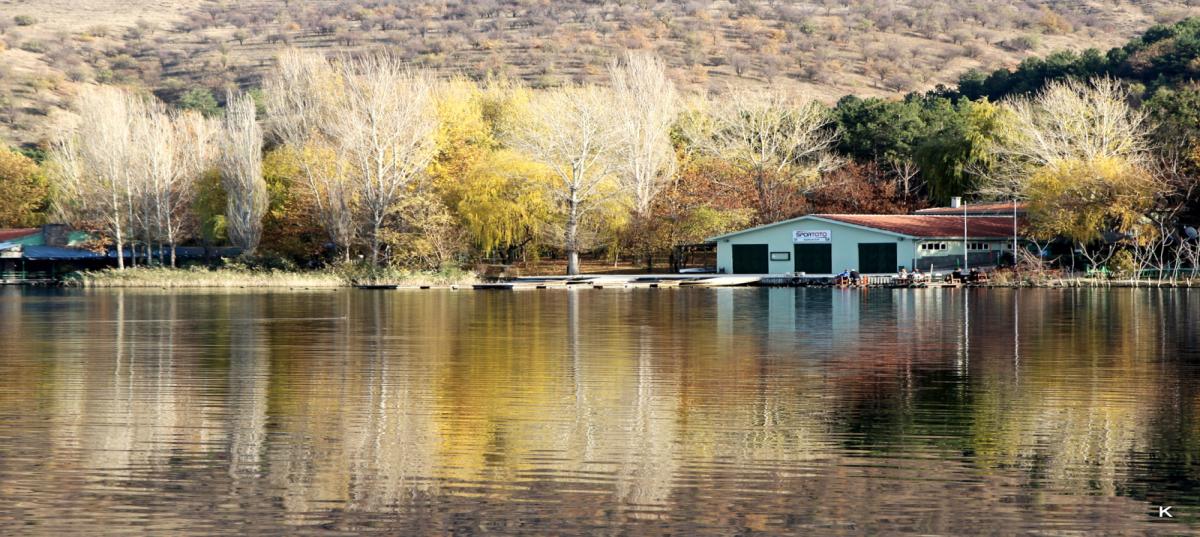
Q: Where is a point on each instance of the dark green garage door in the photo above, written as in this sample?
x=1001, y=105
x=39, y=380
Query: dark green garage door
x=814, y=258
x=750, y=259
x=876, y=257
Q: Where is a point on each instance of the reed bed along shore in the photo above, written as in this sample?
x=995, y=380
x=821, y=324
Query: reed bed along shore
x=1099, y=283
x=162, y=277
x=243, y=277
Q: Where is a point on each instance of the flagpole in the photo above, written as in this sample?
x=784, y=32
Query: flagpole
x=964, y=208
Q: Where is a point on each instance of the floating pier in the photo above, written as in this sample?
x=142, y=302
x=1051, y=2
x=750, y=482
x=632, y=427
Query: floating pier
x=670, y=281
x=631, y=281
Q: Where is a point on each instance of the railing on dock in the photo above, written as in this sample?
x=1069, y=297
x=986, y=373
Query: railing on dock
x=13, y=277
x=879, y=280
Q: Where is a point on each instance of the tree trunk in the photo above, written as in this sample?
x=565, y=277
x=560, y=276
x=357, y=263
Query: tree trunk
x=120, y=251
x=375, y=246
x=764, y=204
x=572, y=237
x=642, y=238
x=572, y=263
x=172, y=254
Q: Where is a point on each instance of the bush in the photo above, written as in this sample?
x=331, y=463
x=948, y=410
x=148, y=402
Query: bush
x=1123, y=264
x=24, y=20
x=365, y=273
x=36, y=47
x=200, y=100
x=262, y=262
x=1022, y=43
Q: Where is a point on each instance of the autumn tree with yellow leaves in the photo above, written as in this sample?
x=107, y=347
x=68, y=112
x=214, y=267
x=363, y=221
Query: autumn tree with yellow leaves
x=23, y=190
x=494, y=192
x=1079, y=153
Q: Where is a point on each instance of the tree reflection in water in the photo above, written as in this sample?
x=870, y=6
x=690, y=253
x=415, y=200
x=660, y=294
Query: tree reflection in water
x=683, y=411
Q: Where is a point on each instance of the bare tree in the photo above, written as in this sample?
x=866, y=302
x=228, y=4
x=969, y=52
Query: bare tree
x=195, y=139
x=93, y=164
x=646, y=108
x=147, y=172
x=300, y=104
x=571, y=131
x=1078, y=151
x=1067, y=121
x=172, y=150
x=906, y=173
x=241, y=173
x=383, y=123
x=73, y=199
x=782, y=143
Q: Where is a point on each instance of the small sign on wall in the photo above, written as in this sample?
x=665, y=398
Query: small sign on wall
x=820, y=235
x=781, y=256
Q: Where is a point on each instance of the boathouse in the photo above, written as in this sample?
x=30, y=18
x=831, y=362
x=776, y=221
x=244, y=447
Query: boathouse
x=826, y=244
x=45, y=254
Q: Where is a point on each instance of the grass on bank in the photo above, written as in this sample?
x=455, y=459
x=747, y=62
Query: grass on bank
x=236, y=277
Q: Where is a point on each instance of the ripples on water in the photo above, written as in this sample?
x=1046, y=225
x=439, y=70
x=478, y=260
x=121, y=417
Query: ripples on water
x=728, y=411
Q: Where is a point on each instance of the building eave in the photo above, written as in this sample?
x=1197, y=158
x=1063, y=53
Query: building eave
x=807, y=217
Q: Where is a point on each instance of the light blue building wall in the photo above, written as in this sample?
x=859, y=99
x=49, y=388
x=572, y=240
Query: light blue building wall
x=790, y=246
x=781, y=238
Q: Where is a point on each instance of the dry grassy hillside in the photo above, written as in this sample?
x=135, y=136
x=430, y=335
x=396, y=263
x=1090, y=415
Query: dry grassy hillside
x=826, y=48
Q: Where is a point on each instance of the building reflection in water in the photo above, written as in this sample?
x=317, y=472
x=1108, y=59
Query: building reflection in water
x=643, y=403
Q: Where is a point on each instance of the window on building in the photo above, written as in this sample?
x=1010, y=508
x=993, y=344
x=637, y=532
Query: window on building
x=933, y=246
x=979, y=246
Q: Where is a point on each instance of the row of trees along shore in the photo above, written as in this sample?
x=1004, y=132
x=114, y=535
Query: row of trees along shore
x=364, y=158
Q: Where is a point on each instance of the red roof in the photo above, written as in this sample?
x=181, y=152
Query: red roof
x=921, y=225
x=10, y=234
x=998, y=208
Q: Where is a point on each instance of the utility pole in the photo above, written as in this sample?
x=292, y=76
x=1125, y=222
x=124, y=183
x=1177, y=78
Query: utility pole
x=1014, y=247
x=965, y=259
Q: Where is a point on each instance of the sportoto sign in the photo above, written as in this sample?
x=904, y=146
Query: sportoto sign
x=820, y=235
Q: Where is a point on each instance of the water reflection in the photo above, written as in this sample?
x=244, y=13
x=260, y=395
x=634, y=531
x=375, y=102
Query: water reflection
x=648, y=411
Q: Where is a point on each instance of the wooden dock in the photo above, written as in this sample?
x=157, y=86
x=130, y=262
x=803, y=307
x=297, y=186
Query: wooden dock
x=931, y=285
x=672, y=281
x=633, y=281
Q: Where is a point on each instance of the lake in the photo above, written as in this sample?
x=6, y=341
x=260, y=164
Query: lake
x=641, y=412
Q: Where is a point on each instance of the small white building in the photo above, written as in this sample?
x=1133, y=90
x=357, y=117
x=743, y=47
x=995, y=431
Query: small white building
x=826, y=244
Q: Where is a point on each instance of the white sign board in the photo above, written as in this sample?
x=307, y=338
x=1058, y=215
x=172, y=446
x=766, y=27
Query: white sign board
x=820, y=235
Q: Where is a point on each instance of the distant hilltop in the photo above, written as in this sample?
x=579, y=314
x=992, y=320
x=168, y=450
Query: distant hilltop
x=188, y=51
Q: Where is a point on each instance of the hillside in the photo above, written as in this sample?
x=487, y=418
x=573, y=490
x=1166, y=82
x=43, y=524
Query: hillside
x=826, y=48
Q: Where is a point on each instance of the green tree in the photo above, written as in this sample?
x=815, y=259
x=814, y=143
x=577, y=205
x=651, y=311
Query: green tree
x=952, y=159
x=289, y=226
x=200, y=100
x=878, y=129
x=1175, y=112
x=210, y=207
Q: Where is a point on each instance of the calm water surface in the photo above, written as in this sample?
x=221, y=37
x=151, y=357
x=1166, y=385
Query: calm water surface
x=685, y=412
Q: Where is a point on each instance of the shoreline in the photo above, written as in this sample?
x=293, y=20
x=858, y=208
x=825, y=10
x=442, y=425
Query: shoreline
x=241, y=278
x=227, y=278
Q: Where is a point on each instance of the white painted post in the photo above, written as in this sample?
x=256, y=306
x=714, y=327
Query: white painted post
x=1014, y=248
x=964, y=207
